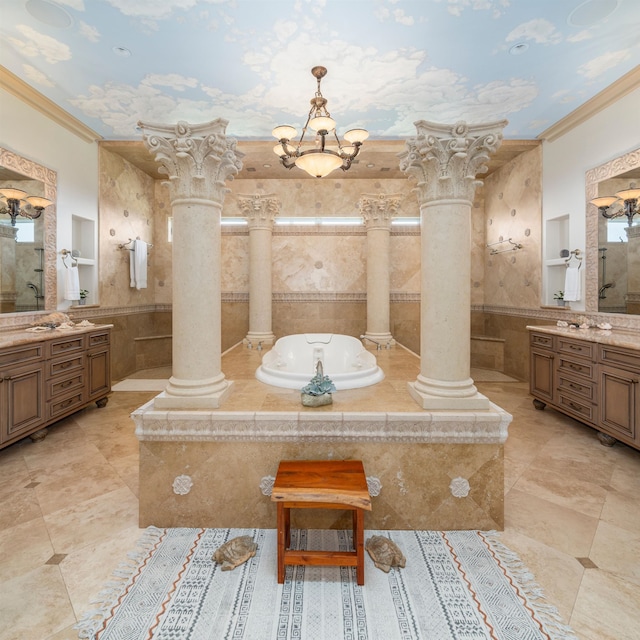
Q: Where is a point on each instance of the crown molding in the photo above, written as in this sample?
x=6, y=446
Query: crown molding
x=20, y=89
x=621, y=87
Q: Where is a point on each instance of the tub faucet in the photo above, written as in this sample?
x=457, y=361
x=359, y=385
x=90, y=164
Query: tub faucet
x=378, y=345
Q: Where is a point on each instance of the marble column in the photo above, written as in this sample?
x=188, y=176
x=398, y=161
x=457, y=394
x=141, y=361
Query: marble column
x=377, y=212
x=444, y=160
x=260, y=212
x=198, y=159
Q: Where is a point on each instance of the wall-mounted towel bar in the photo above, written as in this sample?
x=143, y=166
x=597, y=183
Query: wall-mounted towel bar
x=123, y=245
x=73, y=255
x=514, y=246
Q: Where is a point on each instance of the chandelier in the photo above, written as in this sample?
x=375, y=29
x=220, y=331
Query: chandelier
x=318, y=159
x=627, y=197
x=14, y=199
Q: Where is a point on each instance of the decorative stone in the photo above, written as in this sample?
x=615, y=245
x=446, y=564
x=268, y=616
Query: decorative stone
x=374, y=485
x=235, y=552
x=182, y=485
x=385, y=553
x=459, y=487
x=316, y=401
x=266, y=485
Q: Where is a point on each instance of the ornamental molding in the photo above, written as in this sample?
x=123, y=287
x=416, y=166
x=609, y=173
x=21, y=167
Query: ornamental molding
x=445, y=159
x=259, y=210
x=197, y=158
x=377, y=211
x=480, y=427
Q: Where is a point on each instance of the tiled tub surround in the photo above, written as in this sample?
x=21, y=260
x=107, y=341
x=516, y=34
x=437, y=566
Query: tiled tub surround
x=436, y=469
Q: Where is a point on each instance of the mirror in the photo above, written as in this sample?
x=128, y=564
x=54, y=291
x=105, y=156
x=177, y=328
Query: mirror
x=613, y=250
x=28, y=277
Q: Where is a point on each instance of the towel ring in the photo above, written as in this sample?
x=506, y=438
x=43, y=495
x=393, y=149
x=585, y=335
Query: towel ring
x=577, y=254
x=74, y=259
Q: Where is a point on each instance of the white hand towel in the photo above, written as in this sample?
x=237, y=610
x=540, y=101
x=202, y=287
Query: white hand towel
x=572, y=284
x=132, y=268
x=71, y=284
x=140, y=254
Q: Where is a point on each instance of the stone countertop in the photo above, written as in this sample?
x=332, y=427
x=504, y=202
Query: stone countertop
x=19, y=337
x=612, y=337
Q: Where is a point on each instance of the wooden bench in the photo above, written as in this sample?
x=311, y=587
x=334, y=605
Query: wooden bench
x=321, y=484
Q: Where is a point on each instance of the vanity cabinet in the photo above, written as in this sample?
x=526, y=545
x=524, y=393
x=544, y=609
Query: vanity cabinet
x=594, y=382
x=50, y=378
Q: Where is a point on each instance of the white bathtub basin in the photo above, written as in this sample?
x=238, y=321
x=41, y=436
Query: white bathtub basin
x=291, y=363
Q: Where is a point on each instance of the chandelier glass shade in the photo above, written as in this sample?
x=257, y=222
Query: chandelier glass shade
x=13, y=205
x=317, y=157
x=628, y=198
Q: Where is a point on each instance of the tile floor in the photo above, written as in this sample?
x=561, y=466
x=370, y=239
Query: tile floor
x=68, y=516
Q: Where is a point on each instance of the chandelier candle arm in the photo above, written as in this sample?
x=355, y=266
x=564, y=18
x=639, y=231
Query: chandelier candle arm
x=320, y=159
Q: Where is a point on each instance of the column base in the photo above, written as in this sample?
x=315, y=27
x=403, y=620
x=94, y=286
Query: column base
x=194, y=394
x=444, y=395
x=254, y=338
x=385, y=340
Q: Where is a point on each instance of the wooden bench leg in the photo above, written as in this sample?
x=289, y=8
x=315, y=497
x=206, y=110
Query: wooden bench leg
x=358, y=544
x=282, y=517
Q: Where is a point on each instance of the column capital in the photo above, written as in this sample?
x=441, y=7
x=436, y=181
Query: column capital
x=444, y=159
x=260, y=210
x=197, y=158
x=378, y=210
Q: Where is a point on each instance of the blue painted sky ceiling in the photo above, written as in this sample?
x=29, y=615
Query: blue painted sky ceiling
x=390, y=62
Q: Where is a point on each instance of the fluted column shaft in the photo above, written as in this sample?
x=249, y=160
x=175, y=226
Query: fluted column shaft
x=377, y=212
x=633, y=270
x=260, y=212
x=198, y=159
x=445, y=159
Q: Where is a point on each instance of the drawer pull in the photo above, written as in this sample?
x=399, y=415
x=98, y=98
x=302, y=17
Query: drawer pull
x=575, y=367
x=575, y=407
x=575, y=347
x=577, y=387
x=65, y=365
x=66, y=384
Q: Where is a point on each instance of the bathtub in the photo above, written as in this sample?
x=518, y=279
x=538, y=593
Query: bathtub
x=291, y=363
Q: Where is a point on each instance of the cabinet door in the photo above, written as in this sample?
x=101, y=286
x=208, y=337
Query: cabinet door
x=541, y=378
x=22, y=395
x=620, y=403
x=98, y=373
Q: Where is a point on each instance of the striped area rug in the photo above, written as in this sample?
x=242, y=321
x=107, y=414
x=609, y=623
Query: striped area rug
x=457, y=585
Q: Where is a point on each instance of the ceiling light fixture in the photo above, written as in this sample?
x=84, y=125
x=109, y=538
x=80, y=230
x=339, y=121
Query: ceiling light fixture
x=318, y=160
x=629, y=199
x=14, y=199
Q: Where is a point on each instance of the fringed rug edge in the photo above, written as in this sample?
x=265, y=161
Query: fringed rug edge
x=93, y=620
x=546, y=613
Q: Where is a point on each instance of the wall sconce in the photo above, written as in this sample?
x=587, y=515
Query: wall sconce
x=628, y=198
x=15, y=197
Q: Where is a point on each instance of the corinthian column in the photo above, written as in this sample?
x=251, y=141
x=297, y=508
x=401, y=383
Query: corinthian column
x=197, y=159
x=260, y=212
x=444, y=160
x=377, y=212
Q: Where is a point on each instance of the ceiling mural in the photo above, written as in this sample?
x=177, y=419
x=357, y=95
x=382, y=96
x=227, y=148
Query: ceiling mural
x=111, y=63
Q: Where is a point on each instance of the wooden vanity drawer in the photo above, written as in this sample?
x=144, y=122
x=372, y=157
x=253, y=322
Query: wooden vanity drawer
x=64, y=366
x=63, y=386
x=97, y=339
x=21, y=355
x=541, y=340
x=67, y=345
x=625, y=358
x=575, y=386
x=577, y=348
x=572, y=368
x=582, y=409
x=60, y=407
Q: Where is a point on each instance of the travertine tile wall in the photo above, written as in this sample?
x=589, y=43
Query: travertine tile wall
x=319, y=274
